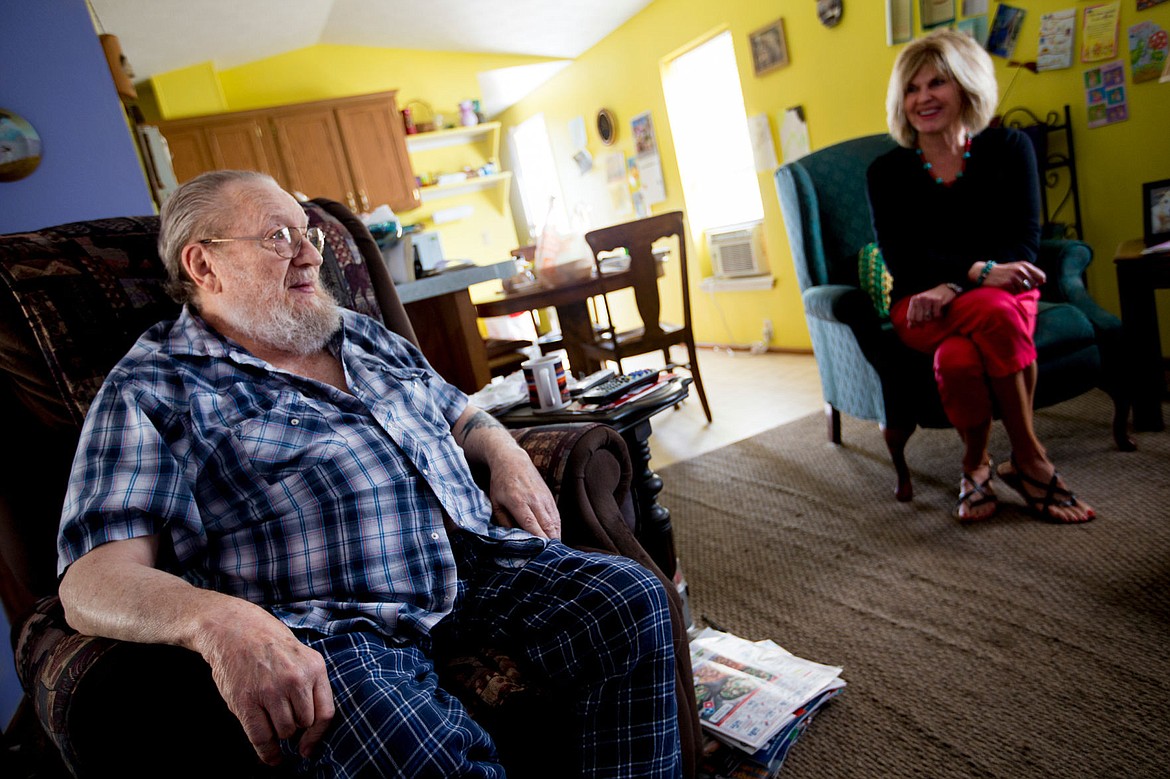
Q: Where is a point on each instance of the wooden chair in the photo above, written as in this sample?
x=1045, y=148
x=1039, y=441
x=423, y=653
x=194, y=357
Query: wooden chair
x=637, y=238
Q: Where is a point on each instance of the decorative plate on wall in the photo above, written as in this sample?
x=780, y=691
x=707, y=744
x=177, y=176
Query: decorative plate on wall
x=606, y=127
x=20, y=147
x=829, y=12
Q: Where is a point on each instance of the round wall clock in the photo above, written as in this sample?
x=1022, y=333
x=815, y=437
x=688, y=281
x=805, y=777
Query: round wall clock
x=20, y=147
x=606, y=126
x=829, y=12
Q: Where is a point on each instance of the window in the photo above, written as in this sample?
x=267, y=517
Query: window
x=536, y=174
x=708, y=122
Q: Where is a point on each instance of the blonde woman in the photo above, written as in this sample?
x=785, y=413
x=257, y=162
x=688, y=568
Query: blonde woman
x=956, y=212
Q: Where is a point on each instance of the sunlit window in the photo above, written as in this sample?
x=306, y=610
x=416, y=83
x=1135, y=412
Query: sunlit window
x=708, y=122
x=536, y=174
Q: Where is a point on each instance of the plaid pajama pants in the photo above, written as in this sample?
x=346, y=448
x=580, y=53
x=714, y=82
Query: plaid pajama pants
x=595, y=626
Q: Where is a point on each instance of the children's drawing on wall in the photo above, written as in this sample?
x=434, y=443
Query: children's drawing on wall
x=1099, y=32
x=1056, y=40
x=1147, y=51
x=1105, y=94
x=1005, y=31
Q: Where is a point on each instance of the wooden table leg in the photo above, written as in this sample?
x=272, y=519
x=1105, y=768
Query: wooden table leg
x=576, y=329
x=653, y=529
x=1139, y=314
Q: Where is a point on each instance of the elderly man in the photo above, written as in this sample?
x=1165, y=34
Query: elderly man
x=283, y=486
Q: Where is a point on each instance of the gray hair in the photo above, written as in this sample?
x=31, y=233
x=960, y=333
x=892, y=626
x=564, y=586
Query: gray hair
x=957, y=56
x=194, y=211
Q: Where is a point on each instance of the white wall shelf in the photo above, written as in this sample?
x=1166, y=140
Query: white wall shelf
x=439, y=191
x=437, y=139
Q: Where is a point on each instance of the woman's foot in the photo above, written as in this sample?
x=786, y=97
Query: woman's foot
x=977, y=500
x=1045, y=493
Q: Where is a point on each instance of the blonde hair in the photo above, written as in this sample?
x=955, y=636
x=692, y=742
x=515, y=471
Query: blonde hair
x=957, y=56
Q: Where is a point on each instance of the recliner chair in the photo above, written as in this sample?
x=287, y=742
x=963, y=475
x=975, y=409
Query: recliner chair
x=73, y=298
x=865, y=369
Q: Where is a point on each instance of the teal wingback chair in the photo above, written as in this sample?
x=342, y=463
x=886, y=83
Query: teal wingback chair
x=866, y=371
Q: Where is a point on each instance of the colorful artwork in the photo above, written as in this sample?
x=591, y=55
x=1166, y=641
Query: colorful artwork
x=1148, y=44
x=1105, y=94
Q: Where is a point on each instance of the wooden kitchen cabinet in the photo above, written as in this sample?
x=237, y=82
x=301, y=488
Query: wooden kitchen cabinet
x=226, y=142
x=314, y=161
x=365, y=127
x=352, y=150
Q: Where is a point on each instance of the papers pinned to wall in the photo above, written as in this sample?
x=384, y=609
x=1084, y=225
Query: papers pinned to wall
x=652, y=184
x=794, y=140
x=763, y=150
x=1105, y=94
x=1099, y=32
x=1148, y=44
x=1056, y=40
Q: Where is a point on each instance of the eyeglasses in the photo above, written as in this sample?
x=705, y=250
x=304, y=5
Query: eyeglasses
x=286, y=241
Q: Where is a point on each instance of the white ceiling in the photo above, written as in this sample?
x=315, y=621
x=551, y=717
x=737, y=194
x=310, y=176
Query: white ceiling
x=161, y=35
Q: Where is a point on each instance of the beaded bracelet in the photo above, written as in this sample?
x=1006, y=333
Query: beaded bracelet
x=983, y=273
x=956, y=288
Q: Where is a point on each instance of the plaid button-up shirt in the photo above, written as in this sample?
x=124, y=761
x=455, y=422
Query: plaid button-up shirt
x=324, y=507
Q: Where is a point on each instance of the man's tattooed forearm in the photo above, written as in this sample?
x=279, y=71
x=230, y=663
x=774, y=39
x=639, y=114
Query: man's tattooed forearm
x=480, y=419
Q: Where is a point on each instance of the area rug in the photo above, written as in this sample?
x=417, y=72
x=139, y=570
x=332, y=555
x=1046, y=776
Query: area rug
x=1007, y=648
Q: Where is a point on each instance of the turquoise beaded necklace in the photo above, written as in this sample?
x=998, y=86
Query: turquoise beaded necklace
x=927, y=166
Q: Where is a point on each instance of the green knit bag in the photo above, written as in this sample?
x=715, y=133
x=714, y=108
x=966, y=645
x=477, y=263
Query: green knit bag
x=874, y=278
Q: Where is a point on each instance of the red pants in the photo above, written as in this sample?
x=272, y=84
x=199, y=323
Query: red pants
x=984, y=333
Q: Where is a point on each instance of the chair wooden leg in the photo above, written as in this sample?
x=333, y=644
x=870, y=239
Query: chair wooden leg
x=833, y=420
x=694, y=369
x=1121, y=420
x=896, y=439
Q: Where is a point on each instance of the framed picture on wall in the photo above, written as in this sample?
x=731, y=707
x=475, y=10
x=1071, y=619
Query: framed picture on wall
x=769, y=50
x=1156, y=211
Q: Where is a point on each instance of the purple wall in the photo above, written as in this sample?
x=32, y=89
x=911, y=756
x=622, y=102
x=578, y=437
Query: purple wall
x=54, y=74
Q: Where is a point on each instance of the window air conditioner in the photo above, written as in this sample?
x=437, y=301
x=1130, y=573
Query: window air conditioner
x=738, y=250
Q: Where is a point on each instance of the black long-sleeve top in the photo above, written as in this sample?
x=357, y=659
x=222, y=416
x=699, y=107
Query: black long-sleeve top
x=931, y=234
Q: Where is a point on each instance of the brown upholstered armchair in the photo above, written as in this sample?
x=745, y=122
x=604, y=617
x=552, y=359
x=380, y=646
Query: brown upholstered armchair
x=72, y=300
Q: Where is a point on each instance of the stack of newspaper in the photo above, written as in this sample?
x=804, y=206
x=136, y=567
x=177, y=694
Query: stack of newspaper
x=755, y=699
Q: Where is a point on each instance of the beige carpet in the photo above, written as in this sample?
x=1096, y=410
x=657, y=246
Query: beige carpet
x=1011, y=648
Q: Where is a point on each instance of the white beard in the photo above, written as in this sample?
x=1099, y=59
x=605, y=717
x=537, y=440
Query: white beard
x=266, y=316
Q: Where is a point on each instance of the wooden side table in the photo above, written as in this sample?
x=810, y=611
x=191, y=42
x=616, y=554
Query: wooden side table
x=1138, y=275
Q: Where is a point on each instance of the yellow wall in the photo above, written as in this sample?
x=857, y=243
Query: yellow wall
x=839, y=76
x=441, y=79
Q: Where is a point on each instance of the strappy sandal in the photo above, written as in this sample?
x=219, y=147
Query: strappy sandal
x=1054, y=495
x=978, y=495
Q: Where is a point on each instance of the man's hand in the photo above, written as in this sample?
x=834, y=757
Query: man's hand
x=275, y=685
x=519, y=496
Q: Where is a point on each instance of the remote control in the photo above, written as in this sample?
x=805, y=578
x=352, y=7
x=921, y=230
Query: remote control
x=592, y=380
x=619, y=385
